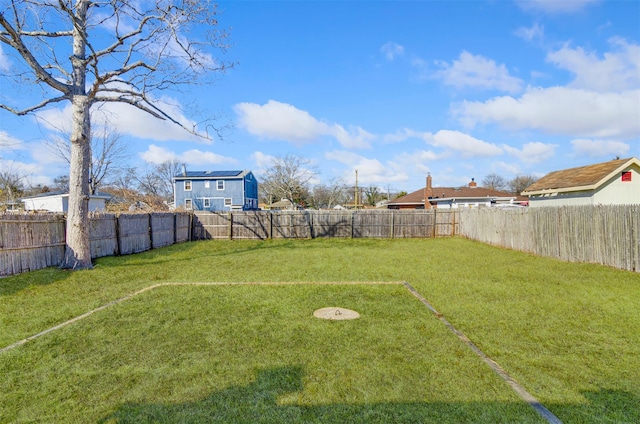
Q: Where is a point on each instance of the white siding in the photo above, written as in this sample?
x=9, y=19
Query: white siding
x=48, y=203
x=60, y=203
x=618, y=192
x=613, y=192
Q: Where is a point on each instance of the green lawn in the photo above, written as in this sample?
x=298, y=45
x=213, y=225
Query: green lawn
x=567, y=332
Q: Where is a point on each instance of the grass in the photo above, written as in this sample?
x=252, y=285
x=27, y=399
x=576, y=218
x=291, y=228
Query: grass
x=567, y=332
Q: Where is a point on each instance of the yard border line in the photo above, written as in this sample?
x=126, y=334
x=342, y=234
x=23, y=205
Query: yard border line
x=520, y=390
x=154, y=286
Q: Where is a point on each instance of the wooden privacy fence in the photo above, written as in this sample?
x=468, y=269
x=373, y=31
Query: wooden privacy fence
x=311, y=224
x=30, y=242
x=33, y=241
x=607, y=235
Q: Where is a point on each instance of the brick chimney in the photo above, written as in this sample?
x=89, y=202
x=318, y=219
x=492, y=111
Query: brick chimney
x=428, y=192
x=473, y=183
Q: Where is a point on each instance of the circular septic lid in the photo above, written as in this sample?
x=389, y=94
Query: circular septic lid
x=336, y=313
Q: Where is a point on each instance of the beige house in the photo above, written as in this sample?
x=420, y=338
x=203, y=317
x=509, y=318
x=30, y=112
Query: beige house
x=616, y=182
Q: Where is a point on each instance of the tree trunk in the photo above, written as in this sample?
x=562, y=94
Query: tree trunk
x=78, y=251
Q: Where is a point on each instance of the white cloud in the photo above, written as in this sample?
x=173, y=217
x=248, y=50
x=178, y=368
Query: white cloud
x=30, y=159
x=354, y=138
x=32, y=173
x=555, y=6
x=536, y=32
x=282, y=121
x=618, y=70
x=462, y=143
x=560, y=110
x=41, y=153
x=127, y=120
x=158, y=155
x=198, y=157
x=262, y=160
x=391, y=50
x=599, y=148
x=5, y=63
x=8, y=142
x=400, y=136
x=533, y=152
x=419, y=161
x=510, y=168
x=478, y=72
x=370, y=171
x=602, y=101
x=277, y=120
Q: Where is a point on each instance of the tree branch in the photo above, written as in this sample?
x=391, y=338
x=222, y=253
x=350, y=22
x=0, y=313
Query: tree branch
x=34, y=108
x=16, y=42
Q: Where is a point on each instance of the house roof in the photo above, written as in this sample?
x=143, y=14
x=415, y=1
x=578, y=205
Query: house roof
x=588, y=177
x=212, y=174
x=417, y=197
x=63, y=193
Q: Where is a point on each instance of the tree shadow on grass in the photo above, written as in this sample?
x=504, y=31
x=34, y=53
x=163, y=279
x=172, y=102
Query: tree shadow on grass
x=188, y=252
x=13, y=284
x=603, y=406
x=258, y=403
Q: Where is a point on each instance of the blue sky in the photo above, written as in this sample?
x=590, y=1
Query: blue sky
x=396, y=90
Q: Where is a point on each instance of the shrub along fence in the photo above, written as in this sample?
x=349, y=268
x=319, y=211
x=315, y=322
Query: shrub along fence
x=607, y=235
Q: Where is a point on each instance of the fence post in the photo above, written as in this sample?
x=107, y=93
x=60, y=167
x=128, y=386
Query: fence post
x=175, y=228
x=391, y=224
x=117, y=231
x=230, y=225
x=453, y=223
x=270, y=225
x=352, y=219
x=435, y=222
x=150, y=231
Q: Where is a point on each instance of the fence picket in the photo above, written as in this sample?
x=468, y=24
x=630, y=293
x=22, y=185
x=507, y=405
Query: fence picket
x=608, y=235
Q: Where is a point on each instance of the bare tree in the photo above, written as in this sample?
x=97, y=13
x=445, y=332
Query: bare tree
x=158, y=180
x=91, y=52
x=288, y=178
x=520, y=183
x=495, y=182
x=165, y=173
x=11, y=188
x=328, y=195
x=373, y=195
x=108, y=154
x=61, y=182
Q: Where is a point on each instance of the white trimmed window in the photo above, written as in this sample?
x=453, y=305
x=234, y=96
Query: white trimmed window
x=220, y=185
x=188, y=204
x=207, y=183
x=206, y=202
x=227, y=202
x=187, y=185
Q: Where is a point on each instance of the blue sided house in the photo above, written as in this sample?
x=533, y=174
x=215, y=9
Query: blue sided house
x=216, y=190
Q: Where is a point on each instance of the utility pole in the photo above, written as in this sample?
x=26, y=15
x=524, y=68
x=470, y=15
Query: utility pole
x=355, y=196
